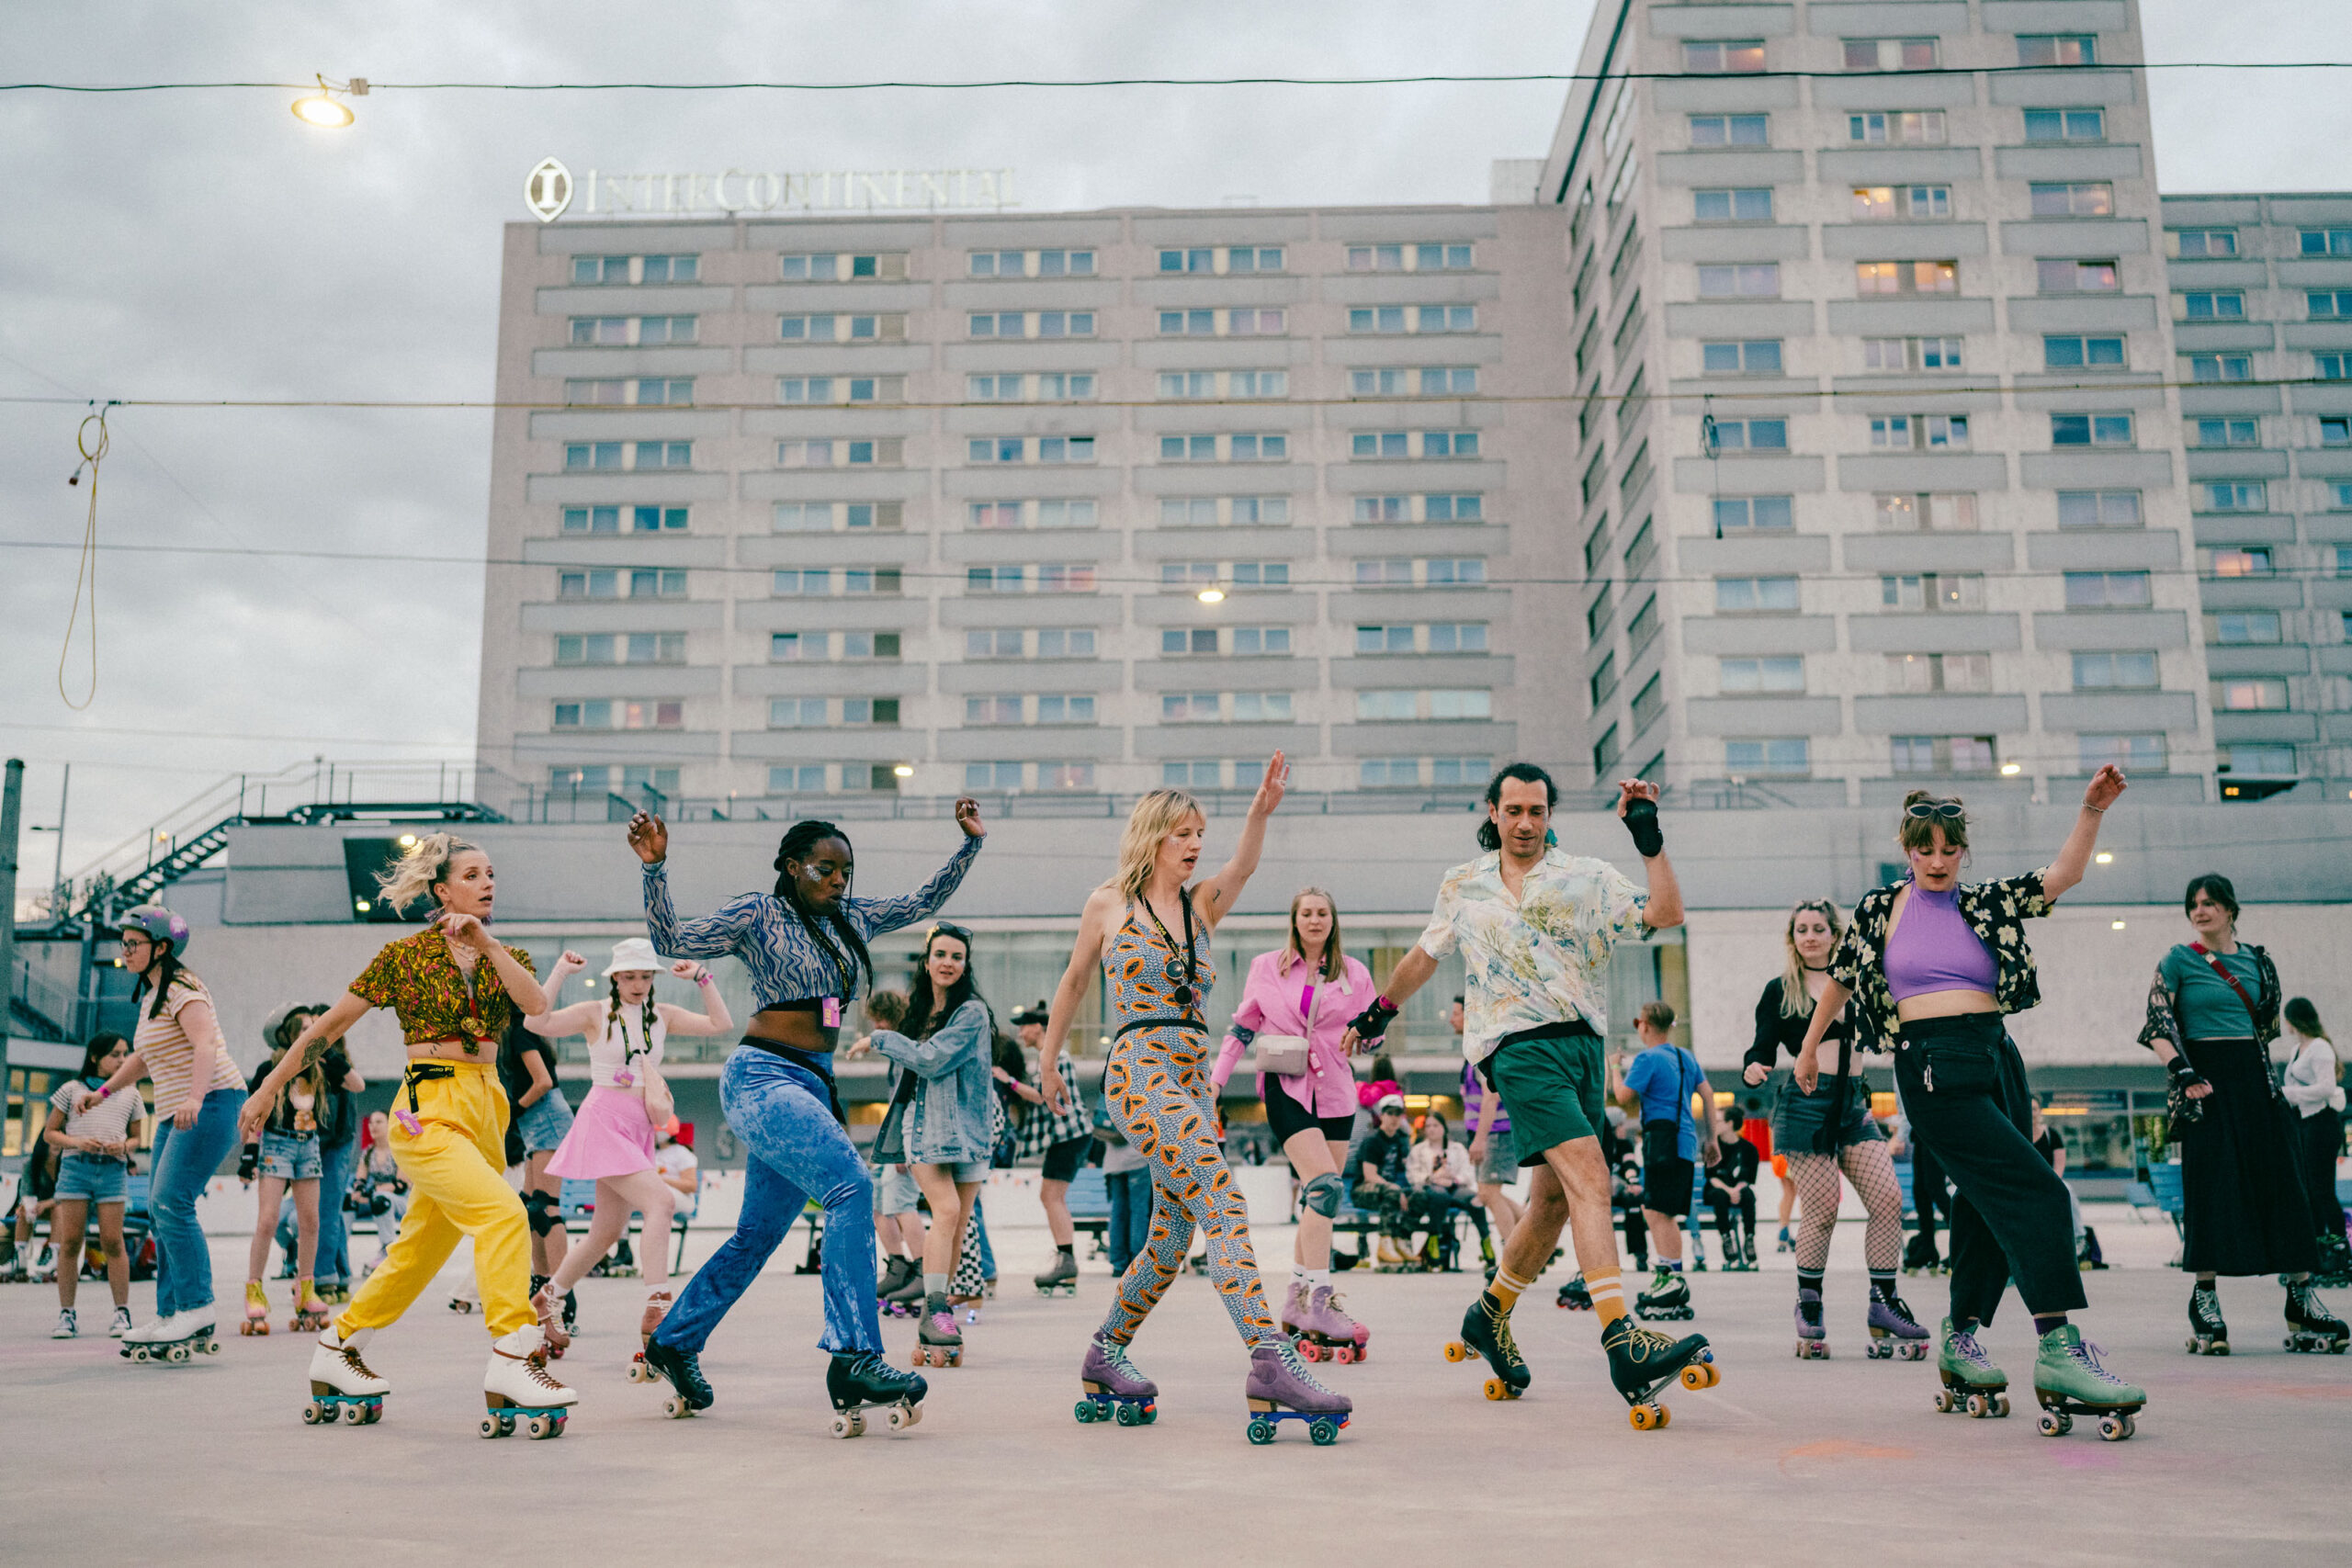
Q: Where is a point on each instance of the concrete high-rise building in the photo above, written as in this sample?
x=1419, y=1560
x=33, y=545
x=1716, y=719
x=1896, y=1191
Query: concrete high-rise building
x=1076, y=504
x=2262, y=316
x=1878, y=467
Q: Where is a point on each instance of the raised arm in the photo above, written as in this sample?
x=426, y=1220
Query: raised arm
x=874, y=916
x=712, y=936
x=309, y=1047
x=133, y=1068
x=1221, y=892
x=1637, y=809
x=554, y=1022
x=714, y=1018
x=2105, y=789
x=1094, y=928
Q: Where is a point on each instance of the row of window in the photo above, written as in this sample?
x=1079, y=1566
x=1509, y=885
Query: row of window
x=1783, y=674
x=2050, y=198
x=1042, y=709
x=1050, y=386
x=2213, y=242
x=887, y=265
x=1897, y=125
x=1930, y=592
x=1792, y=756
x=1175, y=511
x=1716, y=57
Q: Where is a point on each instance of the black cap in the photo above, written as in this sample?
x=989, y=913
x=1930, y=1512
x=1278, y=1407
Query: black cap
x=1039, y=1013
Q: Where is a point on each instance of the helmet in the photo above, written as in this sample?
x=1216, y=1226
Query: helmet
x=161, y=926
x=277, y=1021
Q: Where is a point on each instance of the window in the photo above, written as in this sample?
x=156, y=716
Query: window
x=1920, y=431
x=1891, y=55
x=1750, y=435
x=2242, y=628
x=829, y=327
x=2235, y=560
x=613, y=271
x=1246, y=448
x=1914, y=674
x=2067, y=274
x=2057, y=48
x=1030, y=449
x=2332, y=366
x=1028, y=323
x=2335, y=430
x=1605, y=752
x=2068, y=125
x=664, y=455
x=1747, y=205
x=1408, y=444
x=2329, y=305
x=826, y=516
x=2071, y=353
x=1194, y=774
x=1247, y=323
x=888, y=452
x=614, y=713
x=1750, y=595
x=1751, y=356
x=644, y=583
x=1743, y=513
x=2207, y=305
x=1030, y=264
x=580, y=454
x=608, y=519
x=2197, y=243
x=1184, y=385
x=1723, y=56
x=2078, y=198
x=1896, y=126
x=1730, y=131
x=997, y=514
x=615, y=331
x=2232, y=495
x=2341, y=496
x=1927, y=513
x=1777, y=675
x=1911, y=354
x=643, y=391
x=1385, y=319
x=1236, y=258
x=2246, y=694
x=1053, y=388
x=2134, y=753
x=2099, y=509
x=808, y=778
x=2090, y=430
x=2326, y=243
x=1932, y=591
x=1760, y=280
x=1433, y=257
x=613, y=648
x=1435, y=380
x=1787, y=757
x=1643, y=627
x=2277, y=762
x=2106, y=591
x=842, y=267
x=1907, y=278
x=1603, y=683
x=2220, y=367
x=1882, y=203
x=1417, y=509
x=1943, y=754
x=1208, y=512
x=2115, y=671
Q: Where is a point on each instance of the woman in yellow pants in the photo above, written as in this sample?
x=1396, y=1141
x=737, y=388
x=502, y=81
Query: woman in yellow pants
x=455, y=991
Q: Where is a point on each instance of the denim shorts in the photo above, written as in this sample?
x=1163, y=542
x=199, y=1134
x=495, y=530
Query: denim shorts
x=543, y=1122
x=88, y=1177
x=291, y=1156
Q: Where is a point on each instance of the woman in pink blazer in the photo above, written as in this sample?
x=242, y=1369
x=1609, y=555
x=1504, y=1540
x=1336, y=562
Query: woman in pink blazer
x=1308, y=988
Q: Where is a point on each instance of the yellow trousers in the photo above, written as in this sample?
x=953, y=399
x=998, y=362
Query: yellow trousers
x=455, y=1166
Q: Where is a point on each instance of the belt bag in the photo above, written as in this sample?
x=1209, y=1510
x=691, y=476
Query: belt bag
x=1282, y=1055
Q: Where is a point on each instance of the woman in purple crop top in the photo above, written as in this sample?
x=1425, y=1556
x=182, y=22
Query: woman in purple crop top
x=1933, y=965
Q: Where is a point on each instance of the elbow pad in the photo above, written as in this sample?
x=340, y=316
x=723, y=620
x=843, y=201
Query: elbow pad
x=1641, y=820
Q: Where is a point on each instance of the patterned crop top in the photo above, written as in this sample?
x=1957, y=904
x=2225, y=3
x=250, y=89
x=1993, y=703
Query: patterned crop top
x=421, y=983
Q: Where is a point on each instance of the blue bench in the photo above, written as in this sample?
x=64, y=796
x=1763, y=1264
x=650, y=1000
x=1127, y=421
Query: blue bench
x=577, y=1205
x=1090, y=1204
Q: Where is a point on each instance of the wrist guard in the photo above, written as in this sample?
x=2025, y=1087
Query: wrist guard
x=1373, y=1023
x=249, y=1163
x=2182, y=1075
x=1641, y=820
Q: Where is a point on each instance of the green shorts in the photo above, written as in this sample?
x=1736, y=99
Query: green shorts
x=1552, y=1081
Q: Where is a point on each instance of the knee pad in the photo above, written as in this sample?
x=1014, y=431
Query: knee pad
x=1323, y=1194
x=541, y=1210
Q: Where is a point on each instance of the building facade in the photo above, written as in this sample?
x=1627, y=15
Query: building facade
x=1878, y=456
x=2262, y=316
x=1074, y=504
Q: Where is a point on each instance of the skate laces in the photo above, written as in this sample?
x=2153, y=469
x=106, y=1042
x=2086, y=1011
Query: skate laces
x=1500, y=1322
x=2085, y=1355
x=350, y=1354
x=1647, y=1342
x=536, y=1370
x=1117, y=1354
x=1964, y=1346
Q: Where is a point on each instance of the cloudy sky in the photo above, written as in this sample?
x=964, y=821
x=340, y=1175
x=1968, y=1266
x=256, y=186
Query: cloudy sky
x=202, y=245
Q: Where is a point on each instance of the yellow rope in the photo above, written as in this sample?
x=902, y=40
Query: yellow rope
x=85, y=576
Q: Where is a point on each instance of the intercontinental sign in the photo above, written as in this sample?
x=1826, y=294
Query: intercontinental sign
x=549, y=191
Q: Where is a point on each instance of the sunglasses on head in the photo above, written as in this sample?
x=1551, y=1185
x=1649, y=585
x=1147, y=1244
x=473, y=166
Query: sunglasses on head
x=1941, y=810
x=943, y=929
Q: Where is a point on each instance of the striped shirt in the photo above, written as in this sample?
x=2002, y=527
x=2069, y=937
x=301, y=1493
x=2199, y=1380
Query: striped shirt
x=108, y=1120
x=168, y=1052
x=785, y=963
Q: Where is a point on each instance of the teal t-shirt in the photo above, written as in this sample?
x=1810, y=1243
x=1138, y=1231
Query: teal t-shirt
x=2206, y=1006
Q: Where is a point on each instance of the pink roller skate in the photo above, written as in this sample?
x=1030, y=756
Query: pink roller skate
x=1324, y=1332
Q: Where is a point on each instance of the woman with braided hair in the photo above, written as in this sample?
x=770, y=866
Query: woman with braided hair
x=610, y=1139
x=805, y=946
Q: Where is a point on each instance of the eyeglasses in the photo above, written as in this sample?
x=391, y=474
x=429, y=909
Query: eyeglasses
x=133, y=938
x=1940, y=810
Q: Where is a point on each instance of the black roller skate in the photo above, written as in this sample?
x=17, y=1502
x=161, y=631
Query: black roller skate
x=857, y=1379
x=1642, y=1361
x=1666, y=1301
x=2207, y=1335
x=1486, y=1331
x=2334, y=1271
x=1574, y=1296
x=2309, y=1325
x=1062, y=1275
x=681, y=1369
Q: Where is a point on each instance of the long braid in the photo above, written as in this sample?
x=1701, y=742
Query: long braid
x=613, y=1013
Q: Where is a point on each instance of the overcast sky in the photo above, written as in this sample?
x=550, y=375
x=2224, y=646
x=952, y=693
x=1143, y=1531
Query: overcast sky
x=208, y=245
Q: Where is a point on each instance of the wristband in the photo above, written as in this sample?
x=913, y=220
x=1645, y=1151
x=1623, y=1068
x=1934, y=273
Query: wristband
x=105, y=1089
x=1641, y=820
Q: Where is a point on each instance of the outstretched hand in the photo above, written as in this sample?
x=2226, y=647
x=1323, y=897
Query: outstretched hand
x=967, y=817
x=1274, y=785
x=2106, y=787
x=1632, y=790
x=649, y=837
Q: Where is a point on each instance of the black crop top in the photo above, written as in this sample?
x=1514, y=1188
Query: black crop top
x=1776, y=1033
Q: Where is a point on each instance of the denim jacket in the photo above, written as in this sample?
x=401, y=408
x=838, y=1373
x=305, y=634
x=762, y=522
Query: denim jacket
x=1995, y=911
x=949, y=1121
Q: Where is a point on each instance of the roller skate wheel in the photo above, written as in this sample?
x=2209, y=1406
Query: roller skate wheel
x=639, y=1372
x=1309, y=1352
x=1879, y=1350
x=1324, y=1433
x=180, y=1355
x=1647, y=1417
x=1128, y=1415
x=1084, y=1411
x=538, y=1426
x=1701, y=1374
x=1345, y=1355
x=1945, y=1404
x=1915, y=1350
x=1979, y=1407
x=353, y=1414
x=314, y=1413
x=1457, y=1351
x=2000, y=1405
x=490, y=1428
x=2052, y=1424
x=1497, y=1389
x=676, y=1408
x=902, y=1416
x=2114, y=1428
x=1363, y=1349
x=141, y=1354
x=1261, y=1431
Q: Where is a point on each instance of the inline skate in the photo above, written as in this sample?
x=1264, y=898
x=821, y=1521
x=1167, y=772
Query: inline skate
x=1667, y=1300
x=1574, y=1297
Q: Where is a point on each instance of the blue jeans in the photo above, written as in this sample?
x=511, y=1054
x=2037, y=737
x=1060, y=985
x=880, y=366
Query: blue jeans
x=1130, y=1229
x=981, y=1226
x=795, y=1150
x=183, y=1162
x=332, y=1264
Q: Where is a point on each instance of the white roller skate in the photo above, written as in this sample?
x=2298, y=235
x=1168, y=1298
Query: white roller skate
x=341, y=1385
x=178, y=1338
x=517, y=1386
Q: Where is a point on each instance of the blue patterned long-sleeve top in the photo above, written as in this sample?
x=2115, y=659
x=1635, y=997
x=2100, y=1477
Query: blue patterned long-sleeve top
x=785, y=963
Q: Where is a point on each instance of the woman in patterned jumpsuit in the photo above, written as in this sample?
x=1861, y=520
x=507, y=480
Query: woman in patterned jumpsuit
x=1149, y=931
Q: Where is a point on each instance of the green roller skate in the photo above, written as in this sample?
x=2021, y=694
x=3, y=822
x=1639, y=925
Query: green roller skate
x=1971, y=1382
x=2069, y=1382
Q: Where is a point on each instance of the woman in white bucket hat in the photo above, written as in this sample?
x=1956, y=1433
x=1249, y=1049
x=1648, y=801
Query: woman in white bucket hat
x=610, y=1139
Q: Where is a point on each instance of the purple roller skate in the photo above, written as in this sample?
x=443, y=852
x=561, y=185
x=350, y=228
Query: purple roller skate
x=1812, y=1340
x=1279, y=1389
x=1324, y=1332
x=1894, y=1331
x=1115, y=1389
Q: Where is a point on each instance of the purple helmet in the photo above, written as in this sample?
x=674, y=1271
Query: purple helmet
x=161, y=926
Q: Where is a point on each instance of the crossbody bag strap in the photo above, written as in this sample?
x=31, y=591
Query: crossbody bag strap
x=2253, y=1018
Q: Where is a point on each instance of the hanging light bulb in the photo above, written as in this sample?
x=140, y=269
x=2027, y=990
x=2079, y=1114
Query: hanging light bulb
x=322, y=109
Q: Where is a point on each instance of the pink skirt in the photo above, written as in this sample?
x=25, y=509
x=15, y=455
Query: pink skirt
x=611, y=1135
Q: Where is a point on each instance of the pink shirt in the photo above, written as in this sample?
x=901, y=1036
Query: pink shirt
x=1271, y=1005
